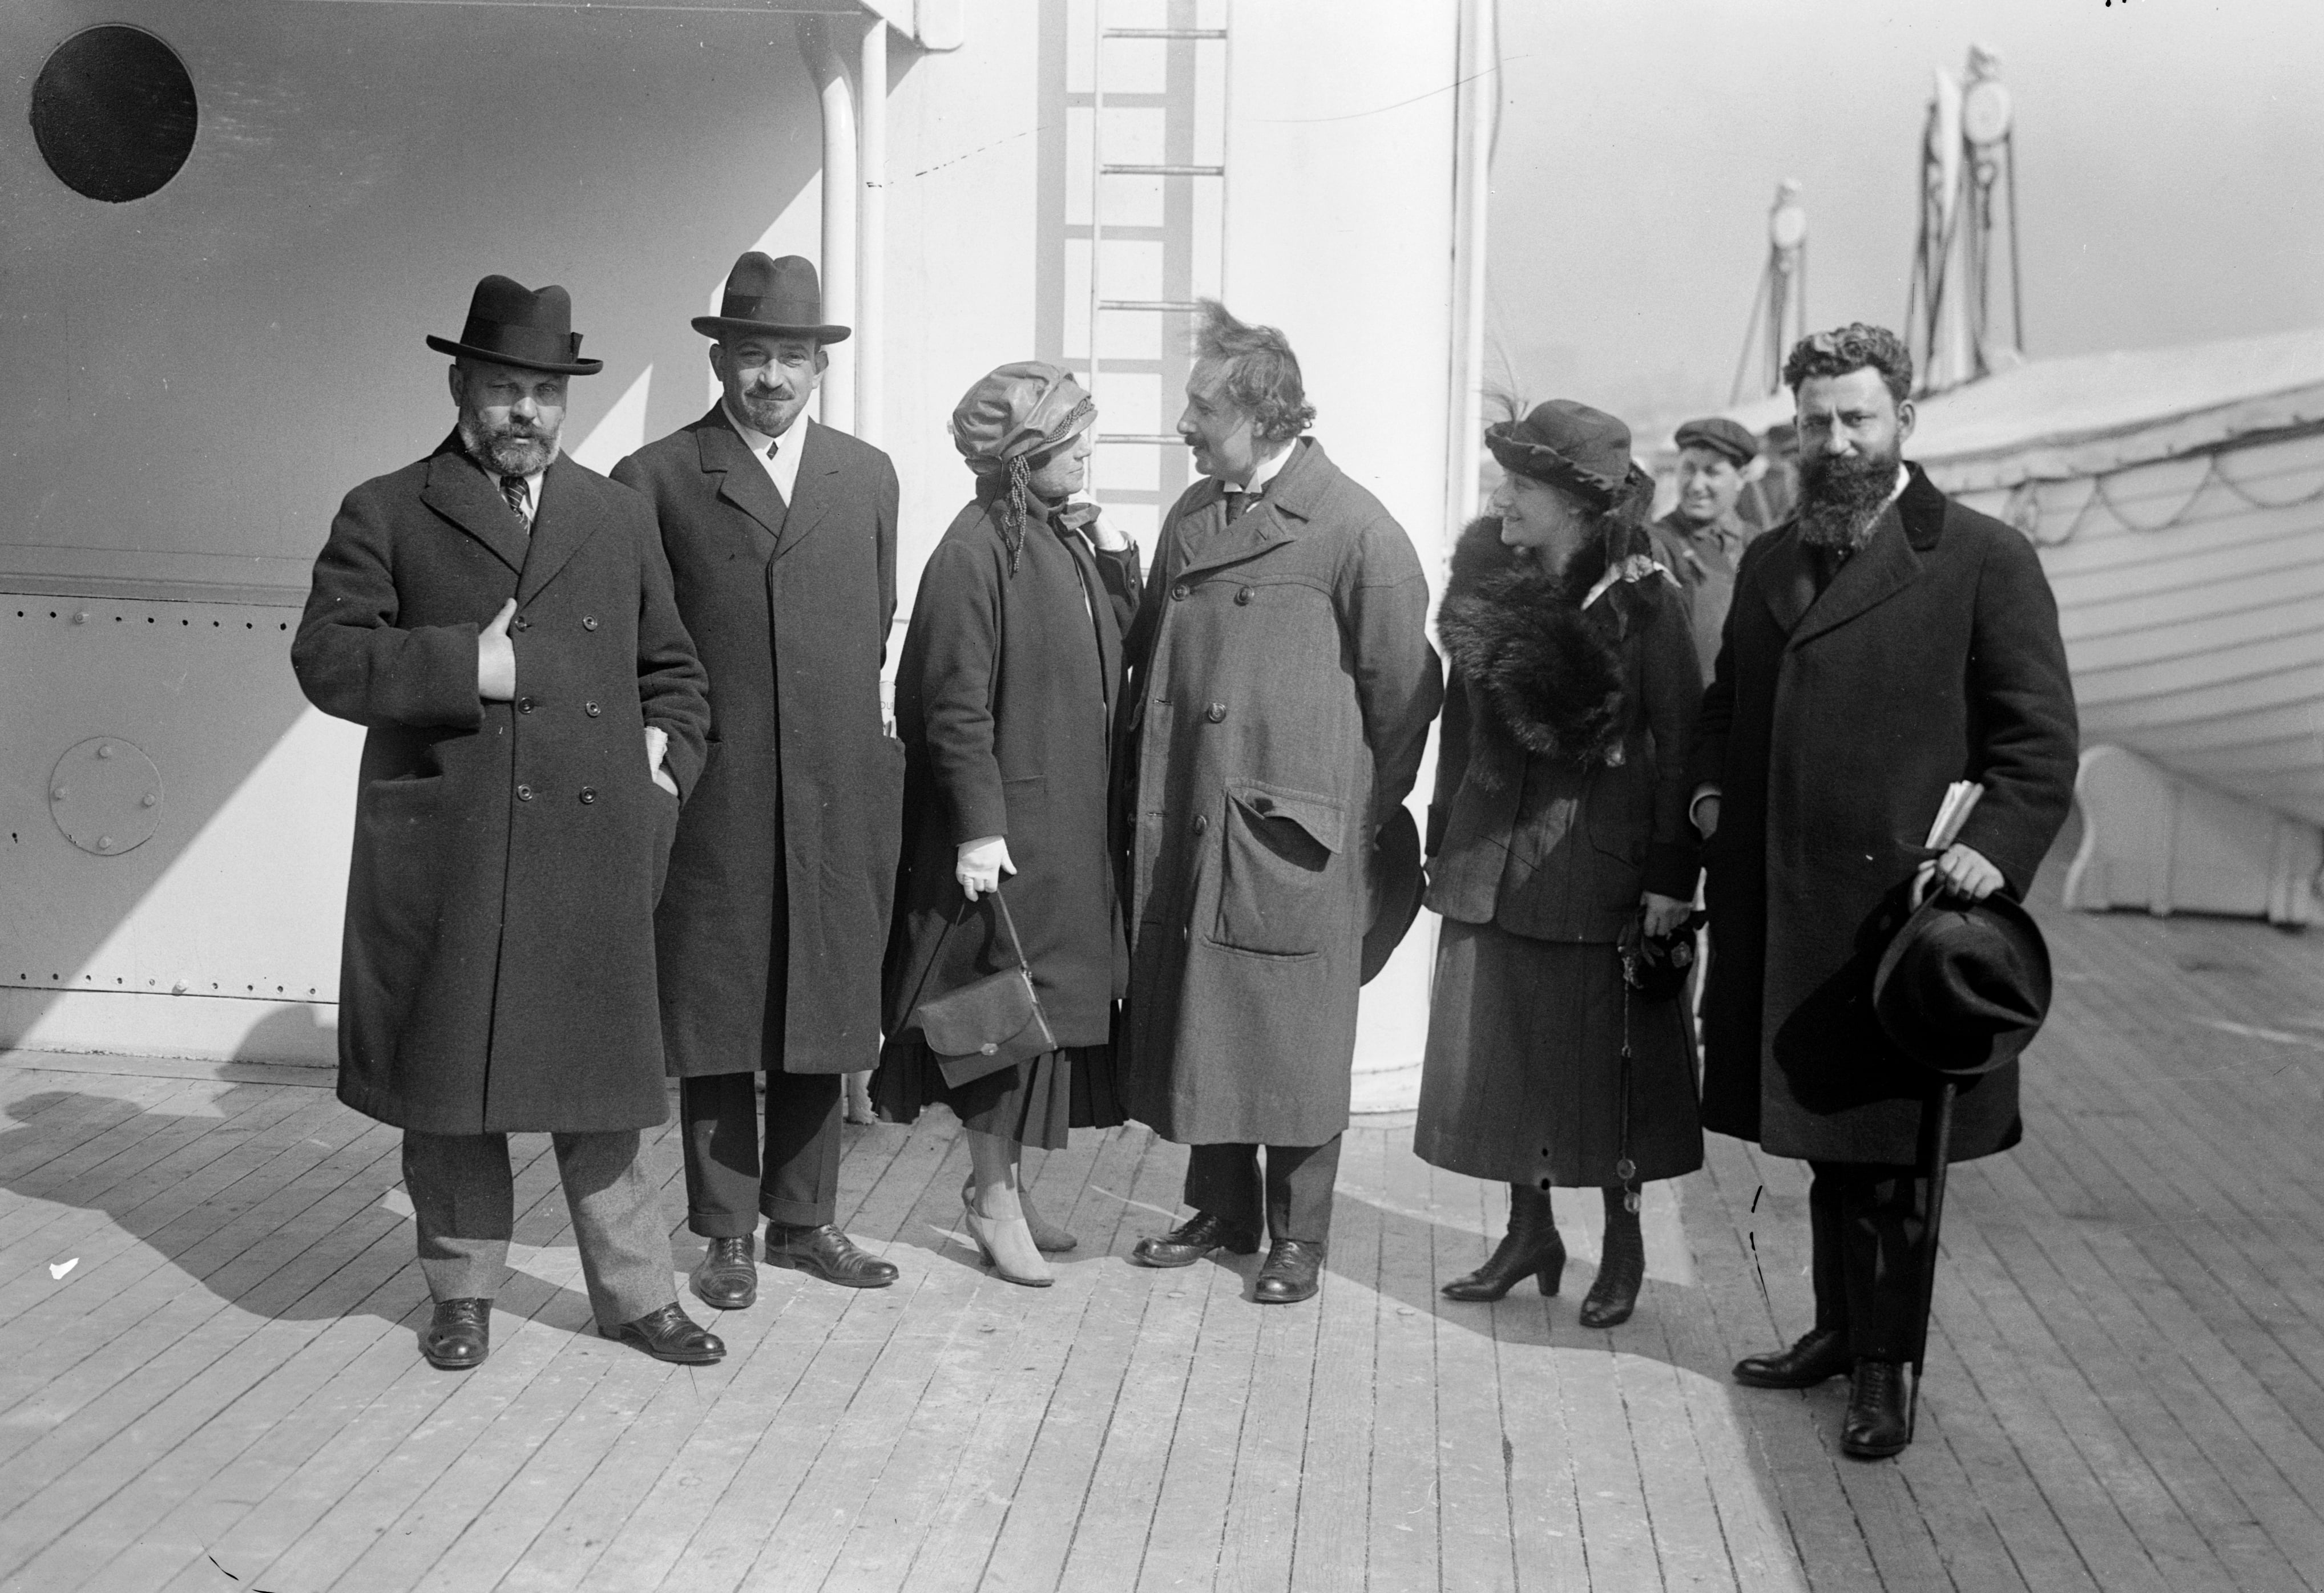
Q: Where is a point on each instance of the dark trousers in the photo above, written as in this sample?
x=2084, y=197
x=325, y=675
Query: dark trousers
x=1295, y=1195
x=729, y=1184
x=463, y=1203
x=1866, y=1223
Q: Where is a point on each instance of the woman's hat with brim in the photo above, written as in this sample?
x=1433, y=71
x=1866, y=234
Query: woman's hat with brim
x=1018, y=411
x=1394, y=885
x=510, y=324
x=1963, y=986
x=776, y=298
x=1566, y=445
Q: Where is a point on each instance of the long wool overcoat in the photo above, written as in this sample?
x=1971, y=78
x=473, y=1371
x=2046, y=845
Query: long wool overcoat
x=497, y=972
x=1005, y=700
x=1831, y=727
x=1282, y=690
x=775, y=920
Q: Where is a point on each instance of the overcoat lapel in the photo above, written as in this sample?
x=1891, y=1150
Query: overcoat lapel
x=813, y=494
x=742, y=480
x=560, y=525
x=1276, y=519
x=1884, y=567
x=462, y=493
x=1790, y=585
x=1109, y=640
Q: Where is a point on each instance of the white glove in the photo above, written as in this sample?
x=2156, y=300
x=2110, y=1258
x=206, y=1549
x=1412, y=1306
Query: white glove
x=981, y=864
x=657, y=748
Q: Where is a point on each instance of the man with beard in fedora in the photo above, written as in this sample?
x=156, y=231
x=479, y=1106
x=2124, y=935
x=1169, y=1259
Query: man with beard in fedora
x=499, y=618
x=781, y=538
x=1882, y=644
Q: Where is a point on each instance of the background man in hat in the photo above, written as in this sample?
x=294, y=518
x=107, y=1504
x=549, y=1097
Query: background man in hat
x=500, y=618
x=1700, y=538
x=781, y=538
x=1284, y=688
x=1883, y=643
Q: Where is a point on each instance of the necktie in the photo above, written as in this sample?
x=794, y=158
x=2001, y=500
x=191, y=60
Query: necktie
x=1237, y=503
x=518, y=493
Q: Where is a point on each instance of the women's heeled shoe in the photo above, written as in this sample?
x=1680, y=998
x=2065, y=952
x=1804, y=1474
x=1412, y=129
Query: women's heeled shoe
x=1048, y=1237
x=1531, y=1248
x=1008, y=1249
x=1621, y=1270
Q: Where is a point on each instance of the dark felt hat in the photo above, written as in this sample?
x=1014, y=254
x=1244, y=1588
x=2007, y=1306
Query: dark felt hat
x=1720, y=436
x=781, y=297
x=1963, y=986
x=1395, y=887
x=1567, y=445
x=510, y=324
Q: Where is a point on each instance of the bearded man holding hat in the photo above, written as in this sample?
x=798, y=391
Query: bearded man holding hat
x=781, y=538
x=499, y=618
x=1884, y=644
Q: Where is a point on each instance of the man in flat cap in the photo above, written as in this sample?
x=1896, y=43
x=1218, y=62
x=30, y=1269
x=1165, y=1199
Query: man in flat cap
x=781, y=538
x=499, y=618
x=1283, y=690
x=1884, y=643
x=1700, y=539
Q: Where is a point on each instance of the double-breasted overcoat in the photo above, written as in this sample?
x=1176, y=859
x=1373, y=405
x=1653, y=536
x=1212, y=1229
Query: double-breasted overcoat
x=1005, y=699
x=1831, y=728
x=1283, y=687
x=775, y=919
x=497, y=971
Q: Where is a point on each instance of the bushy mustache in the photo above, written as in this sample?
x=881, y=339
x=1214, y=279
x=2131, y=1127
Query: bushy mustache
x=512, y=448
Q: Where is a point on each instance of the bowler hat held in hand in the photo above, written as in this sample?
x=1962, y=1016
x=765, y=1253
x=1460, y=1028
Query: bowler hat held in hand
x=1963, y=985
x=994, y=1023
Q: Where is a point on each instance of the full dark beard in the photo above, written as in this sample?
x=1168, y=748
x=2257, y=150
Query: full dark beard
x=1841, y=499
x=506, y=450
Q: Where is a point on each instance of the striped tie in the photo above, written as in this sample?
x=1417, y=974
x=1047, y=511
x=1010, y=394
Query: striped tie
x=518, y=493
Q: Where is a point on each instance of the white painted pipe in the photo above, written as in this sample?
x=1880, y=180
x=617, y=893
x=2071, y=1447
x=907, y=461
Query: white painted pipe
x=837, y=265
x=871, y=233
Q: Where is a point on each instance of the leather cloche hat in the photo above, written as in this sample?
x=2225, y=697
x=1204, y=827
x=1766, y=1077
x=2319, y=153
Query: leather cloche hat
x=783, y=297
x=1963, y=986
x=1567, y=445
x=510, y=324
x=1017, y=410
x=1395, y=887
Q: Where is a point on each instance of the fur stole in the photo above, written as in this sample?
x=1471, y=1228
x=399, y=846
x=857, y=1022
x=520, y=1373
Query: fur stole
x=1544, y=677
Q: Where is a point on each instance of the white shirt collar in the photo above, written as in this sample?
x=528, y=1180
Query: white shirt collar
x=784, y=467
x=1266, y=471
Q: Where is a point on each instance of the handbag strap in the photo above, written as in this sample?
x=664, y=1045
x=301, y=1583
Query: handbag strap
x=953, y=922
x=1010, y=924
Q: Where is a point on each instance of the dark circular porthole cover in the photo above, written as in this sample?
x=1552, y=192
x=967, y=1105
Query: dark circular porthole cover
x=114, y=113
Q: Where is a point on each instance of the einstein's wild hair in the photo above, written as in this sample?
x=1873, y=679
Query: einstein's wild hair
x=1852, y=347
x=1261, y=373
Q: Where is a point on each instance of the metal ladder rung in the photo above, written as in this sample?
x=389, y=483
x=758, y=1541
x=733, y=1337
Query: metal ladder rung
x=1141, y=436
x=1161, y=170
x=1159, y=306
x=1164, y=33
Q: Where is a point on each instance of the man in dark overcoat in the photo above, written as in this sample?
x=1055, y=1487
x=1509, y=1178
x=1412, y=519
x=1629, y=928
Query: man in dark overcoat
x=1883, y=643
x=499, y=618
x=1283, y=690
x=781, y=538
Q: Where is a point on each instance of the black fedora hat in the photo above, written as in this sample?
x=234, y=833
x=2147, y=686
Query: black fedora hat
x=783, y=297
x=1963, y=986
x=510, y=324
x=1395, y=887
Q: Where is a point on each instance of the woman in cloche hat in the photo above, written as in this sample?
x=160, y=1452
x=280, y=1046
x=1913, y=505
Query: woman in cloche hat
x=1010, y=675
x=1561, y=857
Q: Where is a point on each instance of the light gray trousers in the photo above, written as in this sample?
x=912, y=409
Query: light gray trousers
x=464, y=1199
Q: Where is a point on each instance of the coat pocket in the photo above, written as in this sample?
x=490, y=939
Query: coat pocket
x=1276, y=890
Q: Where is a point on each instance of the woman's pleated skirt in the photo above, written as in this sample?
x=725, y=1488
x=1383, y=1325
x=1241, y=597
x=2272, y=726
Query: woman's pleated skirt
x=1033, y=1103
x=1522, y=1081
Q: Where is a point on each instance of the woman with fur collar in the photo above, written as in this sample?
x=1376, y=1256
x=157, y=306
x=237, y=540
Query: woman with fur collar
x=1557, y=834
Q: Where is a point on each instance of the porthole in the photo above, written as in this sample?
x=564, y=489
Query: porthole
x=114, y=113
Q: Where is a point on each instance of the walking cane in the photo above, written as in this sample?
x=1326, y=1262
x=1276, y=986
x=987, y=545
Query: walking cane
x=1941, y=1134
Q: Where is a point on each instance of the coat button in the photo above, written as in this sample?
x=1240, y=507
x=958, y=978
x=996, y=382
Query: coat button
x=524, y=705
x=1215, y=711
x=520, y=623
x=1178, y=592
x=524, y=793
x=1244, y=596
x=589, y=793
x=1202, y=823
x=588, y=622
x=591, y=709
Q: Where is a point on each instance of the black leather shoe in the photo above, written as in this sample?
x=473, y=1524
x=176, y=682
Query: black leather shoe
x=1820, y=1353
x=459, y=1335
x=670, y=1334
x=1290, y=1275
x=827, y=1254
x=728, y=1277
x=1875, y=1427
x=1192, y=1241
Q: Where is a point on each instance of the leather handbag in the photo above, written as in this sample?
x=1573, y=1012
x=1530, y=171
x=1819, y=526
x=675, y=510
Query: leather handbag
x=993, y=1023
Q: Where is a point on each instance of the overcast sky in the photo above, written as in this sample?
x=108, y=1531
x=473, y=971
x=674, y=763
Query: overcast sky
x=2169, y=174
